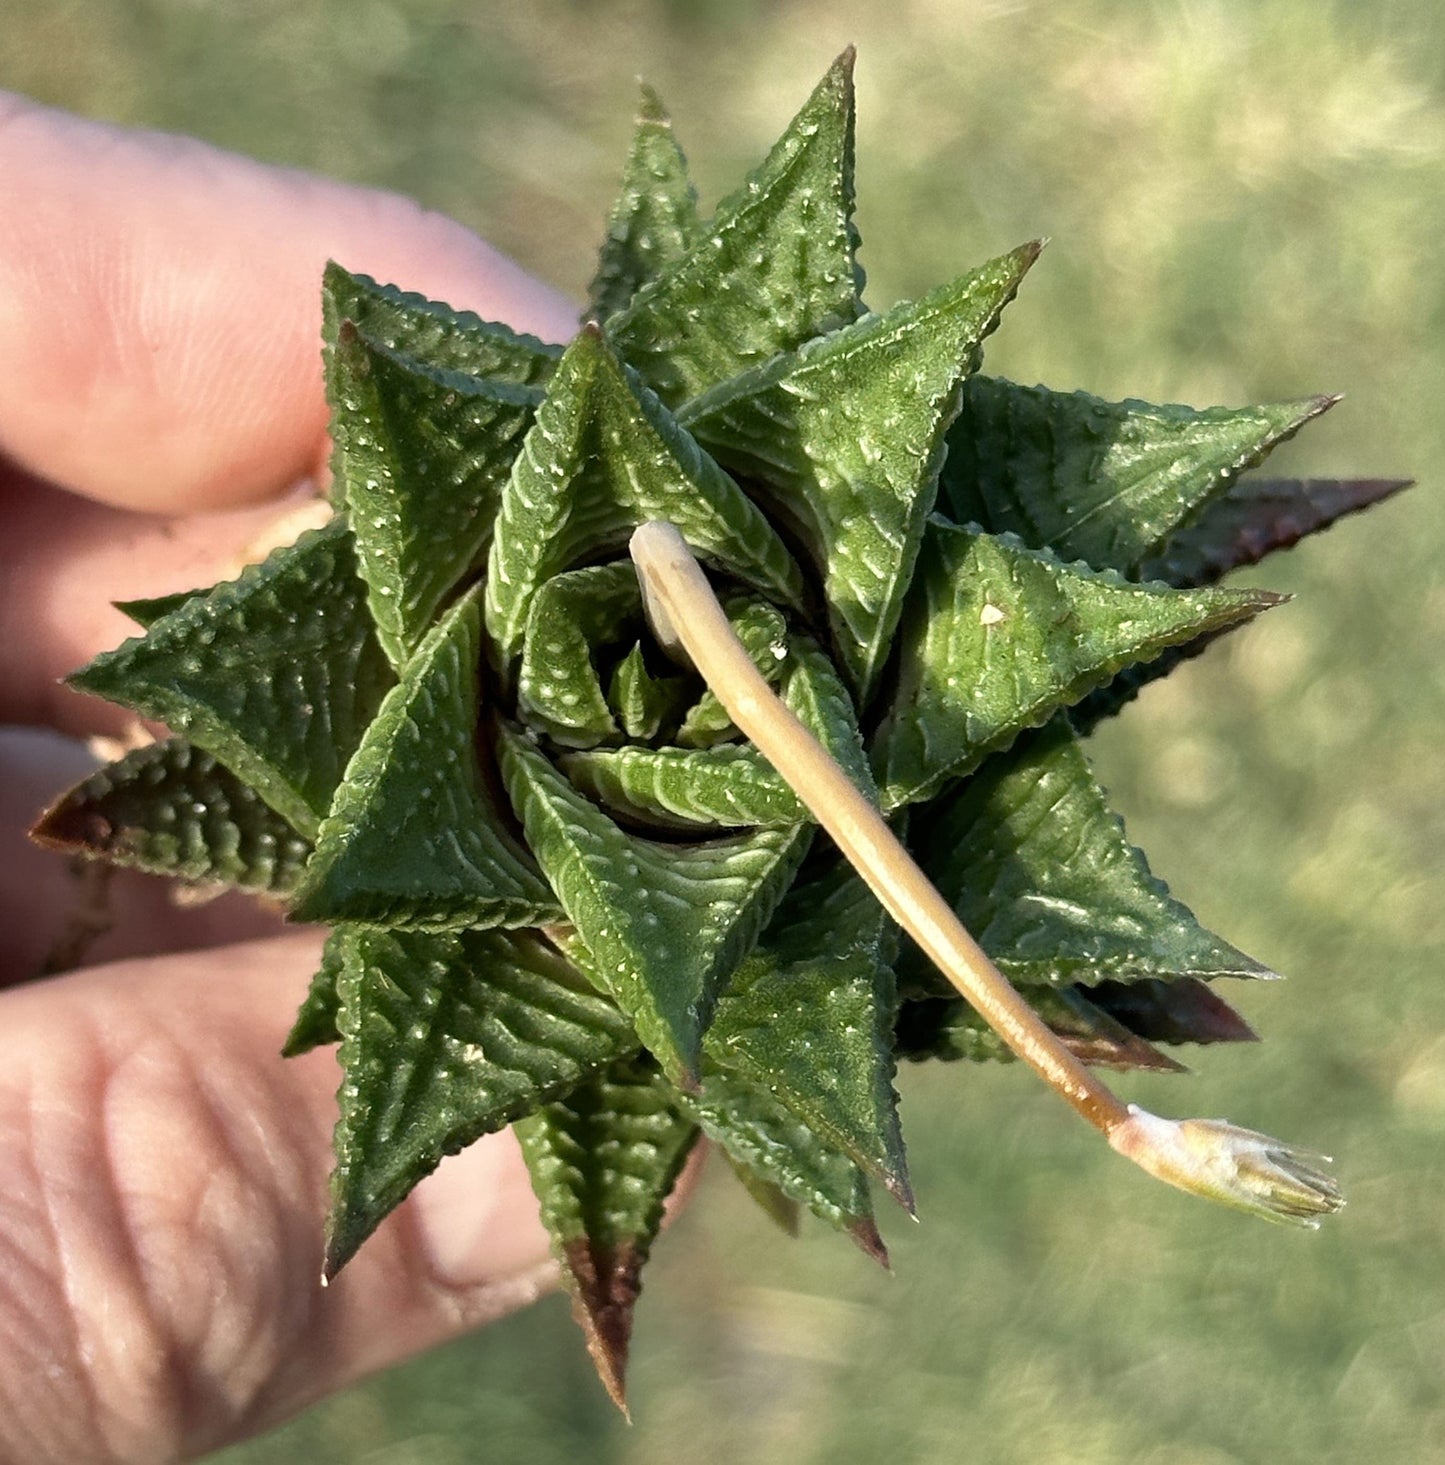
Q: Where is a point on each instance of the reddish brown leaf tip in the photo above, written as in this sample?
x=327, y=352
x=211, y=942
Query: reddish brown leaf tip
x=864, y=1231
x=847, y=57
x=605, y=1285
x=69, y=827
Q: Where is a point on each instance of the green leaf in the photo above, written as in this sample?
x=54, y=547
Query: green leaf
x=947, y=1028
x=764, y=634
x=1039, y=869
x=997, y=638
x=426, y=330
x=603, y=1160
x=773, y=1144
x=780, y=1209
x=809, y=1018
x=421, y=455
x=146, y=611
x=655, y=219
x=1105, y=482
x=414, y=838
x=1180, y=1011
x=558, y=689
x=729, y=785
x=776, y=267
x=847, y=435
x=603, y=457
x=643, y=703
x=662, y=926
x=1258, y=516
x=445, y=1038
x=315, y=1024
x=170, y=809
x=276, y=674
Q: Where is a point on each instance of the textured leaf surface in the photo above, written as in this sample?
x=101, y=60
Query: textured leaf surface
x=1039, y=869
x=764, y=634
x=604, y=456
x=171, y=809
x=776, y=1146
x=276, y=673
x=558, y=688
x=315, y=1024
x=1258, y=516
x=730, y=785
x=1105, y=482
x=847, y=434
x=426, y=330
x=776, y=266
x=643, y=703
x=947, y=1028
x=414, y=838
x=1000, y=637
x=421, y=455
x=444, y=1038
x=663, y=925
x=809, y=1018
x=603, y=1160
x=655, y=219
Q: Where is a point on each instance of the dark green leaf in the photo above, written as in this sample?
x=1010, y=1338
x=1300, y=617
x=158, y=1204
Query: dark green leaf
x=603, y=1160
x=315, y=1025
x=276, y=673
x=426, y=330
x=1258, y=516
x=148, y=610
x=1105, y=482
x=948, y=1028
x=445, y=1038
x=1039, y=869
x=170, y=809
x=997, y=638
x=558, y=689
x=603, y=457
x=764, y=634
x=654, y=221
x=414, y=838
x=644, y=704
x=1179, y=1011
x=776, y=266
x=729, y=785
x=777, y=1147
x=809, y=1018
x=662, y=926
x=420, y=458
x=847, y=435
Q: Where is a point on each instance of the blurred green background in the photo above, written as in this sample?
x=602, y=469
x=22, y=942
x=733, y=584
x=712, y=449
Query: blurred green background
x=1246, y=202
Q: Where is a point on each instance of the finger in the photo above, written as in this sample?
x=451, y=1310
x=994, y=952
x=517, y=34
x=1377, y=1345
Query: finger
x=63, y=561
x=57, y=913
x=164, y=1175
x=160, y=307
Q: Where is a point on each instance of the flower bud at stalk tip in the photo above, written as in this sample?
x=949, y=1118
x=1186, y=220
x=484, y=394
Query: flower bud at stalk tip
x=1237, y=1167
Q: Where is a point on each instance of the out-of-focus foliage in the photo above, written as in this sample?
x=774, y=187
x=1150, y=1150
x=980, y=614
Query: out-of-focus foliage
x=1246, y=201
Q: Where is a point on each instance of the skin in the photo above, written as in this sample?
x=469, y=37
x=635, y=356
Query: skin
x=163, y=1171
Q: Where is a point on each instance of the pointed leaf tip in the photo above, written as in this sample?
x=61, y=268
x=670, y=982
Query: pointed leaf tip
x=865, y=1234
x=607, y=1290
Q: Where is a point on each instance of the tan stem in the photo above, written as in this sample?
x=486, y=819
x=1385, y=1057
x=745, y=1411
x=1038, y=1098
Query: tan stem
x=685, y=613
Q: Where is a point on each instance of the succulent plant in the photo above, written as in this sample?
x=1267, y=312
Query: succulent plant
x=597, y=836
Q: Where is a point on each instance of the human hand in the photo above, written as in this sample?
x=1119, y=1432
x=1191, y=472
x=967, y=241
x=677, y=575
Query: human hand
x=163, y=1172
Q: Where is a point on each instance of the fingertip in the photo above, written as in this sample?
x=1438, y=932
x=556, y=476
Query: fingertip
x=160, y=307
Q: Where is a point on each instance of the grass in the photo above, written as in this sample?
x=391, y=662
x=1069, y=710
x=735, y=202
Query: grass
x=1247, y=202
